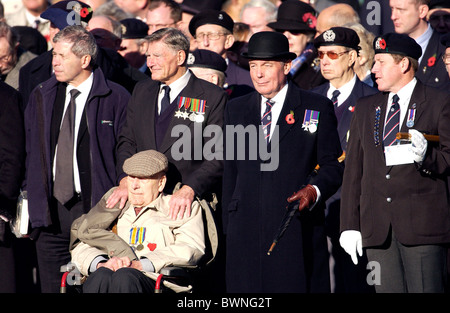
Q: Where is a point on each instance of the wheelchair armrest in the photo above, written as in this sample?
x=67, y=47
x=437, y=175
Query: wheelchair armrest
x=173, y=271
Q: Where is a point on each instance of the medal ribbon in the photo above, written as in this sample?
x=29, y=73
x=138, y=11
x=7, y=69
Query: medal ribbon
x=137, y=235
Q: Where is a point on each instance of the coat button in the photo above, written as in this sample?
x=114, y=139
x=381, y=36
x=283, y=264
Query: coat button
x=389, y=199
x=388, y=176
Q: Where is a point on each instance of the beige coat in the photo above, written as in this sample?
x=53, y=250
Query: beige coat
x=166, y=242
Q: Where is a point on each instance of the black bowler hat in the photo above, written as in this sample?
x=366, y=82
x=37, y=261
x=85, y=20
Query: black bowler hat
x=132, y=28
x=268, y=45
x=338, y=36
x=445, y=40
x=206, y=59
x=215, y=17
x=397, y=44
x=295, y=15
x=68, y=12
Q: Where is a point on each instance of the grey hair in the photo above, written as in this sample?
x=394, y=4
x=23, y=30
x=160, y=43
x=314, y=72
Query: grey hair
x=268, y=6
x=175, y=39
x=83, y=41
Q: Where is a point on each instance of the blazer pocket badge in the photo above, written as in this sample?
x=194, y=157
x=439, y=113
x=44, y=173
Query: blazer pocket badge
x=106, y=122
x=191, y=108
x=311, y=121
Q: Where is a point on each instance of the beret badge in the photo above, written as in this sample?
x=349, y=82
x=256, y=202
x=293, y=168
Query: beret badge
x=329, y=35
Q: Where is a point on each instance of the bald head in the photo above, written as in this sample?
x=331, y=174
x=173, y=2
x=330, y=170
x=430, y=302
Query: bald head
x=336, y=15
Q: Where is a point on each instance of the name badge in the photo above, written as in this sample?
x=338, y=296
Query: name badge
x=398, y=154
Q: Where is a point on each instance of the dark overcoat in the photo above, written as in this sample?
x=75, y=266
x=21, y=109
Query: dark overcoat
x=254, y=201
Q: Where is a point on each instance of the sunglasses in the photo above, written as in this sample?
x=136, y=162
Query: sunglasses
x=331, y=54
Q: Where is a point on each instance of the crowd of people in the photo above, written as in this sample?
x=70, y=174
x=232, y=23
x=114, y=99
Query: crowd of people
x=115, y=133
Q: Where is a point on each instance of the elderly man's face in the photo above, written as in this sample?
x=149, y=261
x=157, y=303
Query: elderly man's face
x=164, y=63
x=268, y=76
x=214, y=38
x=446, y=58
x=142, y=191
x=7, y=58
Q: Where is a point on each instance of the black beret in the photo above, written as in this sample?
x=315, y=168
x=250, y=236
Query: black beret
x=68, y=12
x=338, y=36
x=445, y=40
x=132, y=28
x=397, y=44
x=215, y=17
x=206, y=59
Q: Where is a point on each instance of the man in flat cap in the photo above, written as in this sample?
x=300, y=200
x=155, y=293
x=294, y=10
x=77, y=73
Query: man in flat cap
x=299, y=129
x=213, y=30
x=338, y=51
x=395, y=200
x=145, y=238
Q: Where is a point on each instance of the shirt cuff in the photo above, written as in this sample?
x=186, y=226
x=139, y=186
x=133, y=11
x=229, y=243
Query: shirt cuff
x=147, y=265
x=95, y=262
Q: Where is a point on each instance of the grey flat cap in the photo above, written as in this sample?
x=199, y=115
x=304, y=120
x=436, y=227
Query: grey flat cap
x=145, y=164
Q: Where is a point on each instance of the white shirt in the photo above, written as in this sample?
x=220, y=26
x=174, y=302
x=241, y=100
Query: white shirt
x=175, y=88
x=404, y=96
x=278, y=101
x=345, y=90
x=84, y=88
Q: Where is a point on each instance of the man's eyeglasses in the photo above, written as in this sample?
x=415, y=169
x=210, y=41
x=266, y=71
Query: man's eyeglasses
x=446, y=58
x=331, y=54
x=210, y=36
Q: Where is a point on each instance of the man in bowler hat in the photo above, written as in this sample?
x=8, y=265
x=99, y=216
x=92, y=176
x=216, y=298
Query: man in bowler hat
x=395, y=199
x=301, y=127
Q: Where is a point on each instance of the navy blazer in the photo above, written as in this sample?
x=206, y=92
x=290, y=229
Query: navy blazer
x=359, y=90
x=254, y=201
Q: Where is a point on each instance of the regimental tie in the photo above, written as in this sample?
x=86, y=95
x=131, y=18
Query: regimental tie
x=266, y=119
x=334, y=98
x=391, y=127
x=165, y=102
x=64, y=185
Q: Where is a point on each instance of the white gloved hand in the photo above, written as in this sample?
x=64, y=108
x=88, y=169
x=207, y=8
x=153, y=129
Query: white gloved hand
x=351, y=242
x=419, y=145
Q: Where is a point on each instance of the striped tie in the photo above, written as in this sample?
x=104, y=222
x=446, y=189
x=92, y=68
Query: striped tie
x=391, y=128
x=334, y=98
x=266, y=119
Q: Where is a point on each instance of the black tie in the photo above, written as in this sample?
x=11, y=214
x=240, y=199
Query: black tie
x=165, y=102
x=64, y=184
x=391, y=128
x=334, y=98
x=266, y=119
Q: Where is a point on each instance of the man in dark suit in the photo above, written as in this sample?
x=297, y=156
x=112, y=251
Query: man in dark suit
x=338, y=51
x=394, y=196
x=173, y=121
x=409, y=18
x=62, y=14
x=302, y=135
x=12, y=144
x=98, y=116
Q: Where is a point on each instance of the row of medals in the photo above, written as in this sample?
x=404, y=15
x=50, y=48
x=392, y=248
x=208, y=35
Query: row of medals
x=193, y=116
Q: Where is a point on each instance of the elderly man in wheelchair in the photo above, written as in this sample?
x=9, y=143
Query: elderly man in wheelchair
x=123, y=251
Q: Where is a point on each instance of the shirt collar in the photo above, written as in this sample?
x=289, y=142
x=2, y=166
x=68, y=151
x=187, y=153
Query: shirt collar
x=84, y=87
x=177, y=86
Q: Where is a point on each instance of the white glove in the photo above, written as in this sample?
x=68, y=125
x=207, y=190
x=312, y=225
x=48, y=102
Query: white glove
x=351, y=242
x=419, y=145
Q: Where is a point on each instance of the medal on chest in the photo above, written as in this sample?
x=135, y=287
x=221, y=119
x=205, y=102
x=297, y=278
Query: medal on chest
x=194, y=109
x=137, y=237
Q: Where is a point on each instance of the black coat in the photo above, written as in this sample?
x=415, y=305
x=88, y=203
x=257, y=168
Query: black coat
x=254, y=201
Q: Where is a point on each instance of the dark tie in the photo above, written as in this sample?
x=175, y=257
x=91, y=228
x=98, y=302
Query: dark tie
x=266, y=120
x=391, y=128
x=64, y=184
x=334, y=98
x=165, y=102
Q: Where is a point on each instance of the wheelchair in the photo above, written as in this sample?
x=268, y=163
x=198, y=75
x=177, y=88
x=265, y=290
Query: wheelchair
x=178, y=279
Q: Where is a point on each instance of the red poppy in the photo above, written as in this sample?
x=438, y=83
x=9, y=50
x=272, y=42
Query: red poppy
x=309, y=19
x=290, y=118
x=152, y=246
x=84, y=12
x=383, y=44
x=431, y=61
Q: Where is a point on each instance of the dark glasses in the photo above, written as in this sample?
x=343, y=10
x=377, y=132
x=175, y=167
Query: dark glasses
x=331, y=54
